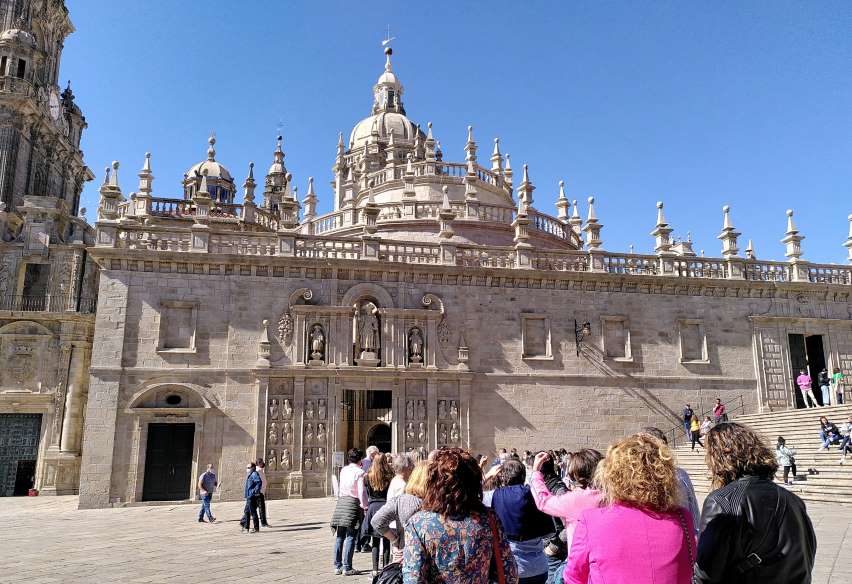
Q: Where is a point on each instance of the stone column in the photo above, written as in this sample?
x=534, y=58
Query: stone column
x=464, y=412
x=296, y=477
x=75, y=397
x=432, y=412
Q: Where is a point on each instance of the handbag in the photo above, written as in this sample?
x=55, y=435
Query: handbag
x=390, y=574
x=495, y=546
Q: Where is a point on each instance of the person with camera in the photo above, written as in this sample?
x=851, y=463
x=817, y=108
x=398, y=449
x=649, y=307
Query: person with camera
x=566, y=505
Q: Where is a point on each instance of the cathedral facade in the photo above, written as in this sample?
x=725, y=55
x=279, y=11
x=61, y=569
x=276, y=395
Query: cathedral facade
x=435, y=305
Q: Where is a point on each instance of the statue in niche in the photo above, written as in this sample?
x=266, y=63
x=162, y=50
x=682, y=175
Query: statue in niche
x=421, y=434
x=317, y=337
x=320, y=432
x=287, y=433
x=322, y=409
x=272, y=459
x=409, y=431
x=415, y=346
x=442, y=434
x=309, y=463
x=368, y=331
x=442, y=410
x=421, y=409
x=273, y=433
x=454, y=410
x=309, y=409
x=454, y=433
x=321, y=459
x=285, y=460
x=287, y=409
x=409, y=410
x=273, y=409
x=309, y=433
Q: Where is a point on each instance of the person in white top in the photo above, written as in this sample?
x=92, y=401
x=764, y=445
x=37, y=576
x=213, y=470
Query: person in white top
x=351, y=504
x=261, y=499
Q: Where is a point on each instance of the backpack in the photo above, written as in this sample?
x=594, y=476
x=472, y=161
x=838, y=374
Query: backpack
x=390, y=574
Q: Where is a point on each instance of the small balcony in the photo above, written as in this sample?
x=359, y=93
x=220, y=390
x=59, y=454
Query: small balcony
x=48, y=303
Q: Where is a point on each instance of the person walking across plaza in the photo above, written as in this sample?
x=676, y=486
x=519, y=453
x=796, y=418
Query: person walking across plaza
x=642, y=534
x=687, y=420
x=454, y=539
x=837, y=383
x=786, y=458
x=752, y=530
x=261, y=497
x=719, y=414
x=695, y=431
x=348, y=512
x=251, y=492
x=804, y=383
x=824, y=382
x=207, y=484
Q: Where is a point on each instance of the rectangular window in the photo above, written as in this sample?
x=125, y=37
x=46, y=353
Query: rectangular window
x=177, y=326
x=616, y=338
x=22, y=68
x=535, y=336
x=4, y=62
x=693, y=341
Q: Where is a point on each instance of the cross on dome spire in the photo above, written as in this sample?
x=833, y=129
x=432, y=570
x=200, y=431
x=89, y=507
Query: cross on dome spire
x=387, y=93
x=211, y=151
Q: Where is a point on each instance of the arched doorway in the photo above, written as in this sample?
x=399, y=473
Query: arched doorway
x=380, y=437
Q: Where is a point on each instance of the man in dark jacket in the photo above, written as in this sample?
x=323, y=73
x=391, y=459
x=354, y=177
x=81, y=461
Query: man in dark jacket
x=252, y=494
x=752, y=530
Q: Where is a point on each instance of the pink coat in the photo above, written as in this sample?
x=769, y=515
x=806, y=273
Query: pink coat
x=567, y=506
x=625, y=545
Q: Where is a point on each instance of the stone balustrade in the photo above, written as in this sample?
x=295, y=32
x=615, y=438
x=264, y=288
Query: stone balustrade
x=133, y=236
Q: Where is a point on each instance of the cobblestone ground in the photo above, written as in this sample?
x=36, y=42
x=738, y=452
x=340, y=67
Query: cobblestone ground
x=46, y=539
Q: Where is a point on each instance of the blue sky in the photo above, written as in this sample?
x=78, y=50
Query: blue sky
x=698, y=104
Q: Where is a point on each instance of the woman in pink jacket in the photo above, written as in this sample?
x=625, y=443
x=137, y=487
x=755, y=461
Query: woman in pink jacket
x=641, y=535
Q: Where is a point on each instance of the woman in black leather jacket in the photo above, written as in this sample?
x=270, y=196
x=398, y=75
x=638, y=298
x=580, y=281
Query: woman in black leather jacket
x=752, y=530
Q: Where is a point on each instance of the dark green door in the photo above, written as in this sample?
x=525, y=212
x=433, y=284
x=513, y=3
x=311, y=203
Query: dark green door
x=19, y=436
x=168, y=462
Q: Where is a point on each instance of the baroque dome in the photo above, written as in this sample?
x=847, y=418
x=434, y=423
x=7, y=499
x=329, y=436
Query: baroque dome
x=387, y=123
x=214, y=169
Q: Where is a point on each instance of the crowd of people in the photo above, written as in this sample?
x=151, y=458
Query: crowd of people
x=629, y=515
x=830, y=435
x=830, y=385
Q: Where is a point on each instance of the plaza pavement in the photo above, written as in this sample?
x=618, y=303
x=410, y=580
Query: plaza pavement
x=47, y=540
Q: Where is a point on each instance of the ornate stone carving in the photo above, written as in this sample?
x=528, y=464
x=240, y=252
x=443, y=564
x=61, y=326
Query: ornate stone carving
x=442, y=410
x=415, y=346
x=272, y=460
x=309, y=409
x=321, y=435
x=309, y=433
x=308, y=460
x=317, y=345
x=273, y=409
x=454, y=410
x=442, y=434
x=286, y=463
x=287, y=410
x=322, y=409
x=273, y=433
x=455, y=436
x=287, y=433
x=368, y=334
x=285, y=327
x=421, y=409
x=320, y=459
x=421, y=433
x=409, y=410
x=410, y=435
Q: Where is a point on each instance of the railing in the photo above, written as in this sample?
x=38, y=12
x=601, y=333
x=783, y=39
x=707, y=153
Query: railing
x=830, y=274
x=328, y=223
x=700, y=268
x=257, y=245
x=266, y=219
x=767, y=271
x=48, y=303
x=163, y=207
x=734, y=406
x=226, y=210
x=151, y=239
x=560, y=261
x=630, y=264
x=486, y=258
x=410, y=253
x=10, y=84
x=325, y=248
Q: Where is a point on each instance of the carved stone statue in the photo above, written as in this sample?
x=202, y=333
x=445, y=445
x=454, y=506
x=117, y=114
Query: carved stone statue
x=421, y=434
x=320, y=432
x=454, y=433
x=409, y=410
x=273, y=433
x=321, y=459
x=309, y=463
x=317, y=337
x=309, y=409
x=322, y=409
x=309, y=433
x=272, y=460
x=415, y=346
x=409, y=431
x=442, y=410
x=285, y=460
x=287, y=433
x=368, y=332
x=454, y=410
x=442, y=434
x=421, y=409
x=287, y=409
x=273, y=409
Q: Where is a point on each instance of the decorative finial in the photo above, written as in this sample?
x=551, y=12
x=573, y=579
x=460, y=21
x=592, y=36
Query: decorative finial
x=147, y=165
x=576, y=212
x=848, y=243
x=203, y=187
x=526, y=176
x=562, y=191
x=750, y=250
x=251, y=170
x=591, y=215
x=445, y=206
x=278, y=141
x=106, y=175
x=630, y=247
x=429, y=130
x=470, y=133
x=114, y=178
x=661, y=220
x=790, y=226
x=310, y=186
x=211, y=152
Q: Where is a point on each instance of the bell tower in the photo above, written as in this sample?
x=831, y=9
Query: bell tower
x=40, y=124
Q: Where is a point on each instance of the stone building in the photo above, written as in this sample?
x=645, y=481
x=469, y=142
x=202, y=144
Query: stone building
x=47, y=280
x=436, y=304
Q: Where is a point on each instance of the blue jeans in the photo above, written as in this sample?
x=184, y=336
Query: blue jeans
x=555, y=566
x=205, y=507
x=344, y=547
x=826, y=394
x=828, y=439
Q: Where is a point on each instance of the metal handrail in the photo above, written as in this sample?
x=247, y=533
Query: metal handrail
x=48, y=303
x=673, y=434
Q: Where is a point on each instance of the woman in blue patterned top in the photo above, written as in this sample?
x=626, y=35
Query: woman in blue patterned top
x=451, y=539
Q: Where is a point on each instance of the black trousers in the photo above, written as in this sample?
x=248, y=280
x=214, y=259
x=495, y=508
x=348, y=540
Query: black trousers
x=787, y=471
x=261, y=509
x=696, y=437
x=250, y=513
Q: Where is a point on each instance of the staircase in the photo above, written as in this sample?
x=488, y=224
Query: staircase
x=800, y=428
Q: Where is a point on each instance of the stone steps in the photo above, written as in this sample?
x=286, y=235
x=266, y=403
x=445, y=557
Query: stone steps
x=800, y=428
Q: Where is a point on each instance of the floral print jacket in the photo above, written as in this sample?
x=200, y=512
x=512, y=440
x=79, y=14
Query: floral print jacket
x=440, y=550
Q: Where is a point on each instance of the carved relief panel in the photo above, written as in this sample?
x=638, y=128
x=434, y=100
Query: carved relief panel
x=315, y=437
x=449, y=422
x=416, y=434
x=23, y=356
x=279, y=426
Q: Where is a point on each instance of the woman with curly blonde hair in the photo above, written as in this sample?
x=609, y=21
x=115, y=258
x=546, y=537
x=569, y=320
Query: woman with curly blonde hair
x=752, y=530
x=641, y=534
